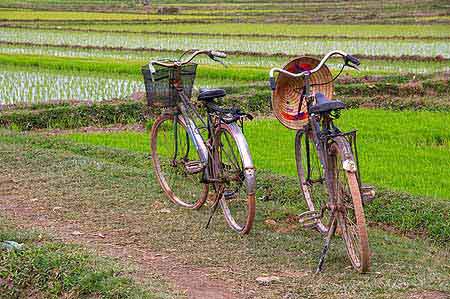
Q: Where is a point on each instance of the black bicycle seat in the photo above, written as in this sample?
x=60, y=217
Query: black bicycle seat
x=208, y=94
x=323, y=104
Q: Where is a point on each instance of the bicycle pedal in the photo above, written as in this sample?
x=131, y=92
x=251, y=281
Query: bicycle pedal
x=229, y=194
x=367, y=193
x=193, y=167
x=309, y=219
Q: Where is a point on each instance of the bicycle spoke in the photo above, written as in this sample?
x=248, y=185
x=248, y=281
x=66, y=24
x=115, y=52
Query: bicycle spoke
x=236, y=163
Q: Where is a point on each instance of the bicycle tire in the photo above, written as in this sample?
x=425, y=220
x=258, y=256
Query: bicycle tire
x=182, y=188
x=347, y=196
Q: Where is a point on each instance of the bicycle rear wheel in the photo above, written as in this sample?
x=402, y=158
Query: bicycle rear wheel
x=176, y=162
x=348, y=202
x=235, y=169
x=311, y=177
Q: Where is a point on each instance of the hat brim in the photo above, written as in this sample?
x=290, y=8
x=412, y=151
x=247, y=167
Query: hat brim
x=286, y=97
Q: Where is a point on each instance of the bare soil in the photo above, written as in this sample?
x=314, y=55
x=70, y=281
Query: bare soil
x=32, y=213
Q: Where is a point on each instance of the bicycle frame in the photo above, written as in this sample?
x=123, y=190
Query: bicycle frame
x=203, y=148
x=323, y=130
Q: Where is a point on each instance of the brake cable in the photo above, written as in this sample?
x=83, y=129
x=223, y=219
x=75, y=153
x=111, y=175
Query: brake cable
x=185, y=52
x=332, y=80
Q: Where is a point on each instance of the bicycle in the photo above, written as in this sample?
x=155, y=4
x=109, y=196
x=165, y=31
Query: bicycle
x=326, y=157
x=192, y=156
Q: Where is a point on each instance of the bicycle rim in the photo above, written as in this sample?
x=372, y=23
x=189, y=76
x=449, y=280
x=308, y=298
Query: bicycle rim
x=172, y=152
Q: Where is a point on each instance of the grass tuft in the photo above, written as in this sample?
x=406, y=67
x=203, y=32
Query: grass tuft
x=56, y=270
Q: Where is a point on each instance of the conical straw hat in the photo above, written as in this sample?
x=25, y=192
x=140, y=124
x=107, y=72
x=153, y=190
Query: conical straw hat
x=286, y=96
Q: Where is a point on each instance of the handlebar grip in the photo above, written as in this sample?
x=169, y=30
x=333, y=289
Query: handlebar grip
x=151, y=67
x=353, y=59
x=218, y=54
x=272, y=83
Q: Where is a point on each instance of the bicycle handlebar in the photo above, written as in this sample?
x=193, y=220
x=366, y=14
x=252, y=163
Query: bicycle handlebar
x=218, y=54
x=353, y=59
x=211, y=54
x=346, y=56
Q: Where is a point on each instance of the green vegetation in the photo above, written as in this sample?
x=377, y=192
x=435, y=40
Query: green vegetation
x=48, y=269
x=33, y=15
x=241, y=69
x=67, y=117
x=387, y=148
x=125, y=67
x=362, y=31
x=369, y=65
x=267, y=12
x=55, y=56
x=51, y=78
x=100, y=185
x=255, y=45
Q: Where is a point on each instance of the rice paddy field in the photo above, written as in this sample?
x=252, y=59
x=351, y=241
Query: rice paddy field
x=72, y=59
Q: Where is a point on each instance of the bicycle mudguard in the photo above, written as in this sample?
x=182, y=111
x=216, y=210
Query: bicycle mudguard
x=244, y=150
x=196, y=138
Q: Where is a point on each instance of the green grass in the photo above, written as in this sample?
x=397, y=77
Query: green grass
x=72, y=15
x=69, y=116
x=368, y=66
x=127, y=67
x=207, y=73
x=403, y=151
x=354, y=31
x=115, y=189
x=264, y=11
x=49, y=269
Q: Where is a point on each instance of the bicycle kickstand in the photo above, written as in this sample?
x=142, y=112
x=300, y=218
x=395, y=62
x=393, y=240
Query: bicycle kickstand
x=326, y=246
x=213, y=209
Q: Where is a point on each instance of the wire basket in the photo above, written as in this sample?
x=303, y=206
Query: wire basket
x=160, y=91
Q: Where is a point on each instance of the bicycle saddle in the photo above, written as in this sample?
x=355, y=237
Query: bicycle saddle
x=208, y=94
x=323, y=104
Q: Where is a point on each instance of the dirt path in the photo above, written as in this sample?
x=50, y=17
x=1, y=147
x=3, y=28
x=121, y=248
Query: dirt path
x=32, y=213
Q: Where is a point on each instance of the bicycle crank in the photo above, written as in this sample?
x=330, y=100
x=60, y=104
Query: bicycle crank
x=193, y=167
x=309, y=219
x=229, y=194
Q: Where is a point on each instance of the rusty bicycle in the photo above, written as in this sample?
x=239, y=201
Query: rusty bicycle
x=194, y=153
x=326, y=157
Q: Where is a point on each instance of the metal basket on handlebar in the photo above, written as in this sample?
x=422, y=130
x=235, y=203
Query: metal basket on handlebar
x=159, y=88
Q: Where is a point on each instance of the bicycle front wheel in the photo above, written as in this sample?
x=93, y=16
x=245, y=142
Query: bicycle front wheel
x=348, y=202
x=176, y=162
x=236, y=173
